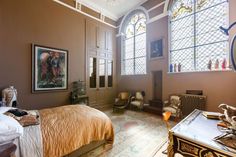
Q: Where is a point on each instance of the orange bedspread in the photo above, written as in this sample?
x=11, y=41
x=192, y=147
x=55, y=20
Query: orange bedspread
x=67, y=128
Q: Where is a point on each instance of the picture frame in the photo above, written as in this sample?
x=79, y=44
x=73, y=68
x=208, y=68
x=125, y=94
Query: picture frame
x=156, y=49
x=49, y=69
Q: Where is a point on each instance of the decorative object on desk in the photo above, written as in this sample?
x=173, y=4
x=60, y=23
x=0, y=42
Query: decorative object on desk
x=9, y=97
x=156, y=49
x=229, y=117
x=171, y=67
x=233, y=44
x=209, y=65
x=228, y=140
x=49, y=69
x=179, y=67
x=217, y=64
x=211, y=115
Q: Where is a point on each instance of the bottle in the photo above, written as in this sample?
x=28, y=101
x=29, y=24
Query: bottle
x=224, y=64
x=209, y=65
x=217, y=64
x=175, y=67
x=179, y=67
x=171, y=67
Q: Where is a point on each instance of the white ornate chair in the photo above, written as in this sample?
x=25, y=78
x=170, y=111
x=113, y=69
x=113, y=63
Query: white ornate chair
x=173, y=105
x=137, y=100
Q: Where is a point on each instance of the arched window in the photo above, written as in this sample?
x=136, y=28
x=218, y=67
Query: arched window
x=196, y=42
x=133, y=59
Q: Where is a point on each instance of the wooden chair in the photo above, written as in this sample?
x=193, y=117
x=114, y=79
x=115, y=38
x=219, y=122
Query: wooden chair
x=122, y=101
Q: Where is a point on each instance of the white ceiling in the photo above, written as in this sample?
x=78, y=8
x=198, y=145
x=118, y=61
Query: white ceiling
x=113, y=12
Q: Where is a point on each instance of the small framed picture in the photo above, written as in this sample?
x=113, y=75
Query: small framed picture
x=156, y=49
x=49, y=69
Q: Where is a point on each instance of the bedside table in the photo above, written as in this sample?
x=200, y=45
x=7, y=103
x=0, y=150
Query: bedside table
x=7, y=150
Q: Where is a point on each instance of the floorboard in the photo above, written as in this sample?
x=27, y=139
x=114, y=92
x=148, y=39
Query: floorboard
x=137, y=134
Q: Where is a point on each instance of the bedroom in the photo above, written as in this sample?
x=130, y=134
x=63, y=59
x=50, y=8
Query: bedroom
x=90, y=30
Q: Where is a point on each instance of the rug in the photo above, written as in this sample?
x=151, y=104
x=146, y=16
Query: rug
x=137, y=134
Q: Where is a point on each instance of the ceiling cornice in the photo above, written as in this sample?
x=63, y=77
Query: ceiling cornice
x=98, y=9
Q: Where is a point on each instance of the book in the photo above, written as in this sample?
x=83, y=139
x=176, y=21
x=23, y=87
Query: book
x=211, y=115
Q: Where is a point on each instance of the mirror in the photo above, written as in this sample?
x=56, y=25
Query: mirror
x=92, y=72
x=101, y=73
x=233, y=52
x=110, y=73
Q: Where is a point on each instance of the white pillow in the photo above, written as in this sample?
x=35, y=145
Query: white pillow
x=9, y=129
x=5, y=109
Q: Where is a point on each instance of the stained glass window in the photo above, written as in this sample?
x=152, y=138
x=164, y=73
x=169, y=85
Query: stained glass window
x=134, y=54
x=196, y=42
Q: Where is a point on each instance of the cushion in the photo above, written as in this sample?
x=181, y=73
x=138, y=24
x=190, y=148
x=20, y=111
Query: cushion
x=10, y=129
x=124, y=96
x=171, y=109
x=5, y=109
x=139, y=96
x=136, y=103
x=25, y=118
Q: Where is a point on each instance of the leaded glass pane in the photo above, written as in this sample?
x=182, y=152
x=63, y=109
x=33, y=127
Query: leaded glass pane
x=195, y=37
x=213, y=52
x=134, y=56
x=182, y=33
x=142, y=16
x=129, y=67
x=204, y=4
x=208, y=23
x=140, y=45
x=140, y=27
x=182, y=8
x=134, y=19
x=140, y=65
x=129, y=48
x=183, y=57
x=129, y=31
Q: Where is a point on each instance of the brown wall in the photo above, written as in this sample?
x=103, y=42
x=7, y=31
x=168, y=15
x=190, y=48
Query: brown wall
x=46, y=23
x=218, y=86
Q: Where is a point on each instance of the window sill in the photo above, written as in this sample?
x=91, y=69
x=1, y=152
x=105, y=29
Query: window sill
x=220, y=70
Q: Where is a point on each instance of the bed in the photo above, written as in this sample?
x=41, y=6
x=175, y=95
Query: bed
x=65, y=131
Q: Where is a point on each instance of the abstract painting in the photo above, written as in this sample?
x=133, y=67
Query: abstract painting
x=49, y=69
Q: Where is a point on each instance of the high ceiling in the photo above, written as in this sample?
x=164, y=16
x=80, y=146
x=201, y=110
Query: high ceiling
x=112, y=11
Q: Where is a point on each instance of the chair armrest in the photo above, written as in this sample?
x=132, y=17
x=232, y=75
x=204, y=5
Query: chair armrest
x=132, y=98
x=116, y=99
x=165, y=103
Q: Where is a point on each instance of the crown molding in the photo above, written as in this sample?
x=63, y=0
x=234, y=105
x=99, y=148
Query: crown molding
x=81, y=12
x=98, y=9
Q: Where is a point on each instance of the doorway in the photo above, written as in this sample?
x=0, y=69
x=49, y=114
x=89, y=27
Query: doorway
x=157, y=85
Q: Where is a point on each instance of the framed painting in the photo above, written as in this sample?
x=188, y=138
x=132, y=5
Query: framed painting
x=156, y=49
x=49, y=69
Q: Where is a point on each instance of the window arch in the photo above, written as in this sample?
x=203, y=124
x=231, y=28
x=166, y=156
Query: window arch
x=133, y=58
x=196, y=42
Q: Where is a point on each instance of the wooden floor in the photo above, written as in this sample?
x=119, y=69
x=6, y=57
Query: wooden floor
x=137, y=134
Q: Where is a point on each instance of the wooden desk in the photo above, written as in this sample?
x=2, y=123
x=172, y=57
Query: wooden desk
x=193, y=137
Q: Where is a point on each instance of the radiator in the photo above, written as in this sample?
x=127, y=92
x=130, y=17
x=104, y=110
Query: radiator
x=190, y=102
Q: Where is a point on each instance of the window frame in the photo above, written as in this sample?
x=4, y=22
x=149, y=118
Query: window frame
x=195, y=46
x=124, y=24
